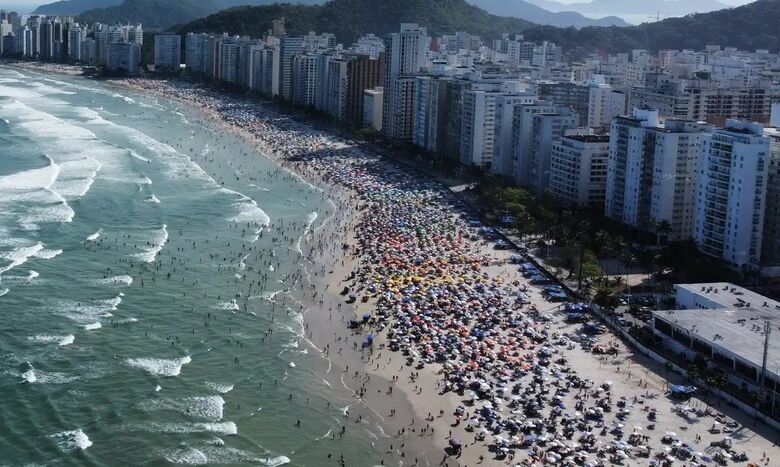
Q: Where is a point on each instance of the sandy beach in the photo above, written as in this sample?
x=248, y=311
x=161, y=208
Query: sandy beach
x=446, y=340
x=545, y=397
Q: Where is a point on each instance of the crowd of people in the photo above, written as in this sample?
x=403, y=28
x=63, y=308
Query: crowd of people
x=430, y=286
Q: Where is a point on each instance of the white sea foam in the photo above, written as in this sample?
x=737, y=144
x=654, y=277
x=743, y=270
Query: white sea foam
x=225, y=428
x=186, y=455
x=232, y=305
x=45, y=89
x=19, y=256
x=152, y=199
x=31, y=276
x=138, y=156
x=155, y=246
x=93, y=326
x=248, y=210
x=207, y=407
x=29, y=376
x=126, y=321
x=87, y=312
x=160, y=366
x=48, y=254
x=222, y=388
x=3, y=292
x=116, y=280
x=35, y=376
x=72, y=440
x=310, y=218
x=59, y=340
x=276, y=461
x=95, y=236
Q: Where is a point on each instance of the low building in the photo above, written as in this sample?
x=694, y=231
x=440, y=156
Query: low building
x=726, y=326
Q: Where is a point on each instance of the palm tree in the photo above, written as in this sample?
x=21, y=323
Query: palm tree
x=663, y=228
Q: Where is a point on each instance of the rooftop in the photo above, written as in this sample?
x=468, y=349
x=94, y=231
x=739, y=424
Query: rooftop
x=734, y=323
x=740, y=331
x=589, y=138
x=728, y=295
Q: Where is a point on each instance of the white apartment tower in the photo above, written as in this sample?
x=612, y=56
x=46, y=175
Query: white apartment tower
x=76, y=35
x=406, y=55
x=652, y=172
x=522, y=129
x=604, y=104
x=732, y=189
x=770, y=250
x=304, y=83
x=578, y=170
x=547, y=129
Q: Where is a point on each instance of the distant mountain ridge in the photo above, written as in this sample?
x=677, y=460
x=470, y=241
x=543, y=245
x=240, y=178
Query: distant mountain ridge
x=350, y=19
x=528, y=11
x=748, y=27
x=73, y=7
x=623, y=7
x=515, y=8
x=158, y=14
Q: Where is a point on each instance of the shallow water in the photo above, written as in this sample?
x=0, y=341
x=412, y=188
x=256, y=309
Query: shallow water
x=142, y=262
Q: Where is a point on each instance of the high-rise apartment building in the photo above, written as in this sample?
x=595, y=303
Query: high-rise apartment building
x=731, y=200
x=289, y=47
x=305, y=80
x=578, y=170
x=770, y=249
x=652, y=173
x=167, y=52
x=547, y=128
x=406, y=55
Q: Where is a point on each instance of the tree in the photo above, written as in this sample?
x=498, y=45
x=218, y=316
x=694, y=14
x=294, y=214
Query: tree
x=662, y=229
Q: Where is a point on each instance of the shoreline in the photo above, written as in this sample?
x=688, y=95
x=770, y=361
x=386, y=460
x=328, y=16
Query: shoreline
x=381, y=374
x=404, y=405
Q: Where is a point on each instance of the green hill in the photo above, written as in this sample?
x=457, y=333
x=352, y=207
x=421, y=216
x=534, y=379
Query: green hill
x=349, y=19
x=158, y=14
x=748, y=27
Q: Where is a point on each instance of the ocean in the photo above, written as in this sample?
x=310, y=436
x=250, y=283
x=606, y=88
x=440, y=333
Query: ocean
x=148, y=311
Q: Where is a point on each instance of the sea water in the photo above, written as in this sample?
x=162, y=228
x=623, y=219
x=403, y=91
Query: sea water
x=130, y=233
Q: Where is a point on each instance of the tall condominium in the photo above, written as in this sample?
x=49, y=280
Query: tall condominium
x=482, y=109
x=227, y=55
x=195, y=51
x=304, y=85
x=406, y=55
x=770, y=250
x=652, y=172
x=578, y=170
x=289, y=47
x=167, y=52
x=522, y=130
x=547, y=128
x=76, y=36
x=731, y=197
